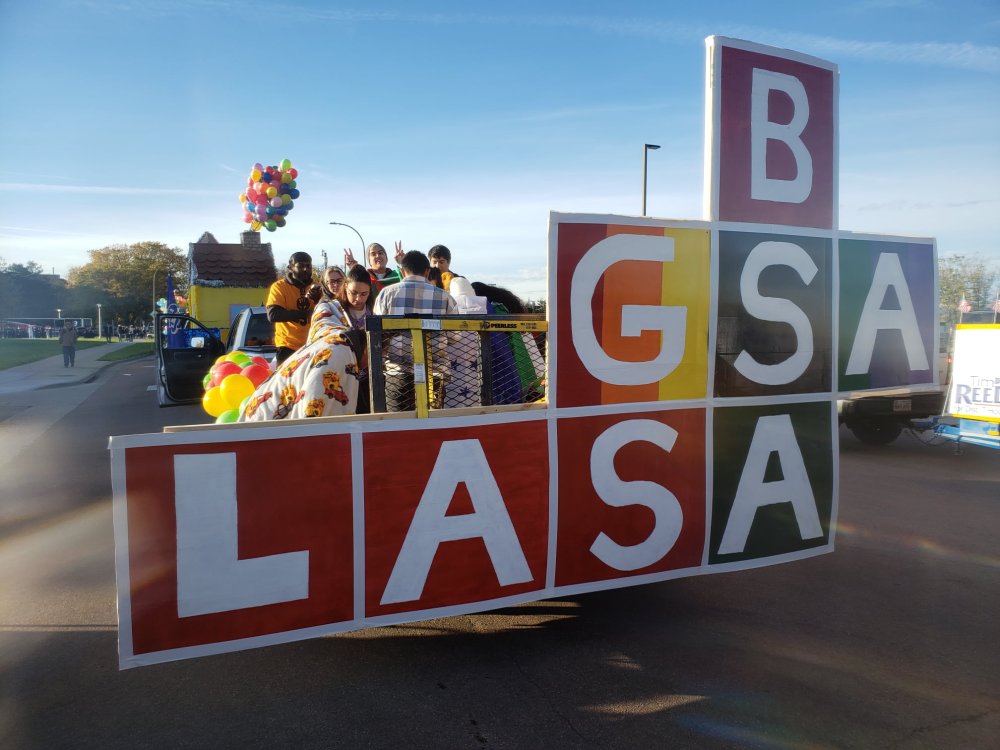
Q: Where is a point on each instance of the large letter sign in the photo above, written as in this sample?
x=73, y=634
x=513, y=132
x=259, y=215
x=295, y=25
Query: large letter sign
x=210, y=576
x=667, y=322
x=690, y=425
x=458, y=462
x=763, y=130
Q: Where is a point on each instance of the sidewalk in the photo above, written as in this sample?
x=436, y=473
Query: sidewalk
x=50, y=373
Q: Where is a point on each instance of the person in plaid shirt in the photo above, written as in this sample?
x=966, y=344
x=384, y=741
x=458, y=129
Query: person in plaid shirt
x=413, y=295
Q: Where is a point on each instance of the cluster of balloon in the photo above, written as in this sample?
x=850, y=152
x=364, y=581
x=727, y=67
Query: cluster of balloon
x=230, y=383
x=270, y=195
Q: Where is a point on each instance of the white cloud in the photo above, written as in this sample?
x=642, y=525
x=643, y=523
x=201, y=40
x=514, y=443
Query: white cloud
x=961, y=55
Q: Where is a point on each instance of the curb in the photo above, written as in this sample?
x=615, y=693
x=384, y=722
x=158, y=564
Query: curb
x=92, y=376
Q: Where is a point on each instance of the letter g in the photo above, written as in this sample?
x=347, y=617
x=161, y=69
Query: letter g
x=669, y=321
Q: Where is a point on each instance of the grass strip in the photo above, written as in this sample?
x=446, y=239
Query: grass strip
x=138, y=349
x=14, y=352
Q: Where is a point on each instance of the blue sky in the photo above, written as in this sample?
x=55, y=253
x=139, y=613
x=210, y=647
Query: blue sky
x=462, y=123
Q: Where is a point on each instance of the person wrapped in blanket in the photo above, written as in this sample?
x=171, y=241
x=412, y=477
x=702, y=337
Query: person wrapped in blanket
x=322, y=378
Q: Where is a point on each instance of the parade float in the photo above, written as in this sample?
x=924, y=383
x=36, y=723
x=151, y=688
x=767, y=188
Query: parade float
x=689, y=424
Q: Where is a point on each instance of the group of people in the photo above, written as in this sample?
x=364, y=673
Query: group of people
x=319, y=329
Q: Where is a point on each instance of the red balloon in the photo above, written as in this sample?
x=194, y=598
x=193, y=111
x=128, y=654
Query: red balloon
x=293, y=172
x=255, y=374
x=221, y=370
x=259, y=360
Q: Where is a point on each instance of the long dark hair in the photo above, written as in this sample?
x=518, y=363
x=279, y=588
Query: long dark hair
x=497, y=294
x=358, y=273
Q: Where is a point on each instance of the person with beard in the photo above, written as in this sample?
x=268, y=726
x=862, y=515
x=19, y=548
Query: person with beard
x=321, y=379
x=290, y=302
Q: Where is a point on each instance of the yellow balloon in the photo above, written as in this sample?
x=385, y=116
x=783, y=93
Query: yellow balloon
x=213, y=402
x=271, y=192
x=236, y=357
x=234, y=389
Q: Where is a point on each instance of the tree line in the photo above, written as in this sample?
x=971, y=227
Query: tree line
x=971, y=278
x=124, y=279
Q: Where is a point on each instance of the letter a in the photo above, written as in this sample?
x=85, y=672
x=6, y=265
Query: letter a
x=210, y=575
x=888, y=273
x=762, y=130
x=459, y=461
x=773, y=434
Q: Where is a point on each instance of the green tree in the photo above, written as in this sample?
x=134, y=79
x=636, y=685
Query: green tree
x=25, y=269
x=121, y=278
x=26, y=292
x=971, y=277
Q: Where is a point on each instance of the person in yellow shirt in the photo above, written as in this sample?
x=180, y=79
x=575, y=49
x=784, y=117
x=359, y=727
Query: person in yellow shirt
x=290, y=302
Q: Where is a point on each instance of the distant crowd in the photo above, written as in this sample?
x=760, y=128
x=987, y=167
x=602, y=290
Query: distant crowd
x=26, y=331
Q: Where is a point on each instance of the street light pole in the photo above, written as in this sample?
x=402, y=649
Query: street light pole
x=59, y=313
x=100, y=328
x=646, y=148
x=364, y=248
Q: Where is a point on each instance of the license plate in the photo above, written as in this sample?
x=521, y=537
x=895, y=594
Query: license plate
x=902, y=404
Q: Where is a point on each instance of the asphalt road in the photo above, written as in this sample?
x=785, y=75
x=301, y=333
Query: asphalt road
x=890, y=642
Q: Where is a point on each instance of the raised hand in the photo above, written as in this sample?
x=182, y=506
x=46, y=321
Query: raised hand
x=349, y=258
x=399, y=252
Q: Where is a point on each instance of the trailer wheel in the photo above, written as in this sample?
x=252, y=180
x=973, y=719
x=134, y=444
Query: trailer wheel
x=876, y=430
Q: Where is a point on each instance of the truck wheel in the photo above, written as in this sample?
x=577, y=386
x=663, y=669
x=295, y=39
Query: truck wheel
x=876, y=430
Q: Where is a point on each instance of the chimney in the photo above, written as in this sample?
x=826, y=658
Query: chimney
x=250, y=239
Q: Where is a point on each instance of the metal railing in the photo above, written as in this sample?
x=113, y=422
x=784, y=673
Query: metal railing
x=422, y=363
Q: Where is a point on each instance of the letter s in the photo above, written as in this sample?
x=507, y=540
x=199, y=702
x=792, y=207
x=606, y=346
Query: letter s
x=669, y=518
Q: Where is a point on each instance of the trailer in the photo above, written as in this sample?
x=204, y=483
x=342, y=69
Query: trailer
x=972, y=411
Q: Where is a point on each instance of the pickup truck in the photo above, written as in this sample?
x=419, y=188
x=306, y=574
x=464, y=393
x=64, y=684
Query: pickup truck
x=877, y=418
x=184, y=358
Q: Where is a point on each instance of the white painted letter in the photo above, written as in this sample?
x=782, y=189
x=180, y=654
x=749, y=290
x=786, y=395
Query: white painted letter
x=888, y=272
x=459, y=461
x=762, y=130
x=668, y=516
x=777, y=309
x=669, y=321
x=210, y=575
x=773, y=434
